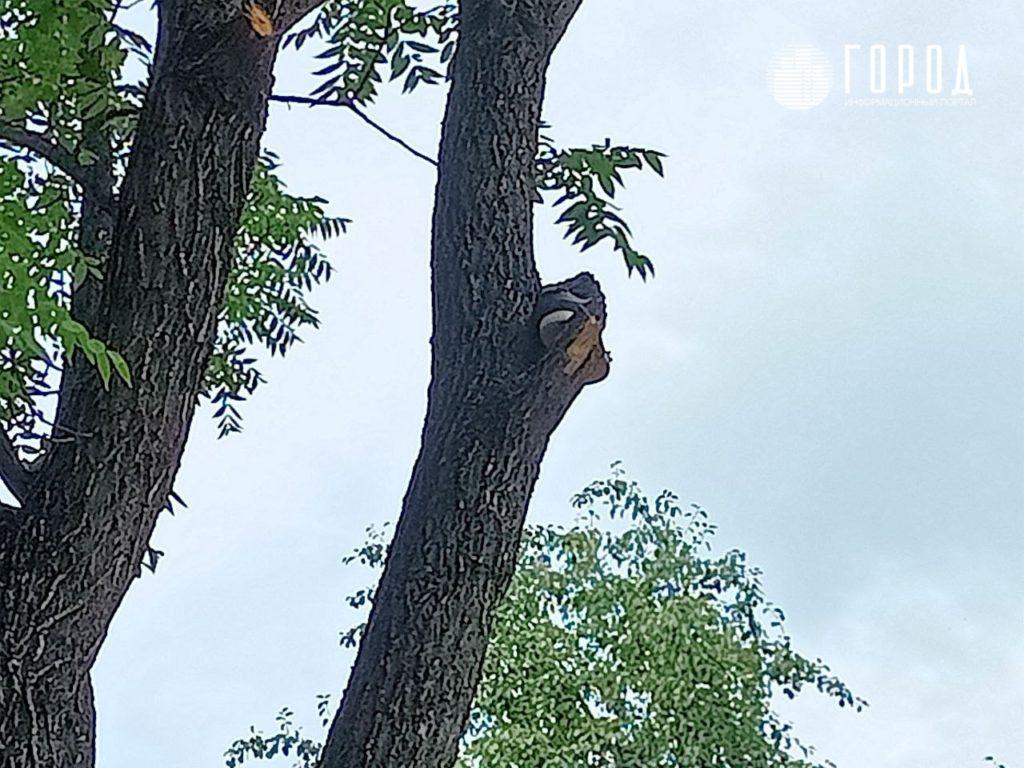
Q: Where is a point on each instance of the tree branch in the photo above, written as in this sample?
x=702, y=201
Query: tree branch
x=13, y=472
x=58, y=156
x=498, y=390
x=311, y=102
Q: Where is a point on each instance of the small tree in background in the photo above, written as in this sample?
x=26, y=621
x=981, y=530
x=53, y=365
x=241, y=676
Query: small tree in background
x=623, y=641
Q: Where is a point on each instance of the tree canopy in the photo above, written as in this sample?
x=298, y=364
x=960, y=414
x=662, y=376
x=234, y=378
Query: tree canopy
x=72, y=80
x=624, y=640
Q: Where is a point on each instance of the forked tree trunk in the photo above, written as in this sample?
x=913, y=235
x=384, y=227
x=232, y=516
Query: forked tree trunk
x=69, y=554
x=496, y=395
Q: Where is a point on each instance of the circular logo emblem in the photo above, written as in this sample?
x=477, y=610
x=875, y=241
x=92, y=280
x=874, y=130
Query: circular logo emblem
x=799, y=76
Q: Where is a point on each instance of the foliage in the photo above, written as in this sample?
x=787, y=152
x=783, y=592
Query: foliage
x=276, y=265
x=61, y=64
x=625, y=642
x=38, y=264
x=581, y=176
x=370, y=40
x=65, y=74
x=69, y=71
x=288, y=741
x=638, y=647
x=57, y=60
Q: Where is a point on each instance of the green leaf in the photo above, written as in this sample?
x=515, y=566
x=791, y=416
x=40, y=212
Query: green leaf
x=654, y=160
x=103, y=366
x=120, y=366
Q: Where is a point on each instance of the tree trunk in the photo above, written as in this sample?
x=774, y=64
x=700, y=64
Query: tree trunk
x=495, y=397
x=69, y=554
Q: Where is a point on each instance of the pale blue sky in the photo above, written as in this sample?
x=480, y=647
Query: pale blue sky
x=829, y=360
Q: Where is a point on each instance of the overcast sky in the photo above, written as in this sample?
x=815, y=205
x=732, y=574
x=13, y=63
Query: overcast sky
x=829, y=360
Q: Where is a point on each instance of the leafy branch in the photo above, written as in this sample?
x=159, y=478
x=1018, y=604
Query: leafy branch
x=370, y=39
x=287, y=741
x=277, y=264
x=587, y=180
x=367, y=39
x=46, y=148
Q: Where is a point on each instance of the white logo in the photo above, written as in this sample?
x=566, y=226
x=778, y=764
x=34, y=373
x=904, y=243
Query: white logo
x=799, y=76
x=874, y=75
x=907, y=76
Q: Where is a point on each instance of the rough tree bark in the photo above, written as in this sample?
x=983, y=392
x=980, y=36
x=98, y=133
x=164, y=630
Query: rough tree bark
x=69, y=553
x=496, y=395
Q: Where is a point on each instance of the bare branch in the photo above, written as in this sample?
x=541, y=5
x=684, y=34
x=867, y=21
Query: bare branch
x=60, y=157
x=311, y=102
x=13, y=472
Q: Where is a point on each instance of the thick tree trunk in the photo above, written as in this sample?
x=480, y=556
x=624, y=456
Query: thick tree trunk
x=69, y=554
x=495, y=397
